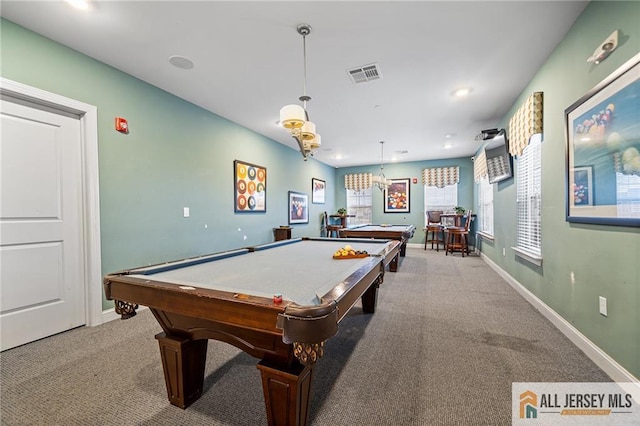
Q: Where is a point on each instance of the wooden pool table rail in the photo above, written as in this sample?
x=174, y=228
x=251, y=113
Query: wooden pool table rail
x=287, y=338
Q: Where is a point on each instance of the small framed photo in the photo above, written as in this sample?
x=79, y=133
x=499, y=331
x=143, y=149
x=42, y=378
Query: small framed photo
x=583, y=186
x=397, y=196
x=317, y=191
x=298, y=207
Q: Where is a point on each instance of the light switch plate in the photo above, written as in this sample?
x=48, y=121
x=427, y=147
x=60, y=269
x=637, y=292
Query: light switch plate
x=603, y=306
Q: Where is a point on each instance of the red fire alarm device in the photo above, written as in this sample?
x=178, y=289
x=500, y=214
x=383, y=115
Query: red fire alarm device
x=122, y=125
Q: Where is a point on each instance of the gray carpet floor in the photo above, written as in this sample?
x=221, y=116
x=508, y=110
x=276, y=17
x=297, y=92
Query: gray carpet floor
x=448, y=338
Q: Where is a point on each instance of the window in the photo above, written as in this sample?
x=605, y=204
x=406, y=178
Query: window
x=485, y=205
x=359, y=203
x=445, y=199
x=529, y=197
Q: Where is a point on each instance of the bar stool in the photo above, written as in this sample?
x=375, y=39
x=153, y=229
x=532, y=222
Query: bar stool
x=435, y=227
x=458, y=237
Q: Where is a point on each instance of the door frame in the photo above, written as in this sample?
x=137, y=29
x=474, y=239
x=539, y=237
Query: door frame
x=88, y=117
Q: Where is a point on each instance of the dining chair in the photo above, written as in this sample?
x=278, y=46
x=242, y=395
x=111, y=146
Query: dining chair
x=331, y=230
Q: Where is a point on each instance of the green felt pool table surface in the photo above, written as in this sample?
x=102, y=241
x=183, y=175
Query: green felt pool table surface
x=301, y=271
x=402, y=233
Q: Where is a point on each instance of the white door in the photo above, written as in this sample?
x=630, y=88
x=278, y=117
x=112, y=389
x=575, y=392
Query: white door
x=41, y=251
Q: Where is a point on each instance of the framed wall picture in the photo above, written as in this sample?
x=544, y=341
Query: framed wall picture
x=397, y=197
x=603, y=151
x=298, y=207
x=583, y=186
x=249, y=187
x=317, y=191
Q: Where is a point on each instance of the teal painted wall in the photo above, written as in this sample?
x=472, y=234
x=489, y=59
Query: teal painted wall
x=146, y=177
x=605, y=260
x=149, y=175
x=416, y=216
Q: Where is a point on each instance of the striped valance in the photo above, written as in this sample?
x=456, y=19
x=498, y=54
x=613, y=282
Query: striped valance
x=441, y=176
x=527, y=121
x=358, y=181
x=479, y=166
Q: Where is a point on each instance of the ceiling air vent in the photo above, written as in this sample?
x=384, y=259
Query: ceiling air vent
x=365, y=73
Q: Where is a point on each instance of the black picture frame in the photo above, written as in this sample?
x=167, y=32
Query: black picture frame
x=397, y=196
x=298, y=208
x=603, y=143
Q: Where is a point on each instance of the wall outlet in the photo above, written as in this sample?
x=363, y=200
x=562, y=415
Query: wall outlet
x=185, y=211
x=603, y=306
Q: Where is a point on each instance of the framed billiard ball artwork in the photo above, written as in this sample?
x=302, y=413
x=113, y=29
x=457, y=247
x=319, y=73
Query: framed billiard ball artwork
x=250, y=187
x=397, y=196
x=298, y=207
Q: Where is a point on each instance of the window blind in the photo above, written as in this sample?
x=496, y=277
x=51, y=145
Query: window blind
x=360, y=204
x=445, y=198
x=485, y=205
x=529, y=198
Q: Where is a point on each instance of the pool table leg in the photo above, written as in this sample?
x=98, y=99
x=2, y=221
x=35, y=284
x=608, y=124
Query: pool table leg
x=286, y=393
x=393, y=265
x=370, y=297
x=183, y=362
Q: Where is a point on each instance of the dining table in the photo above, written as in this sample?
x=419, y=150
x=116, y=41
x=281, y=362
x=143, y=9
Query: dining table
x=342, y=217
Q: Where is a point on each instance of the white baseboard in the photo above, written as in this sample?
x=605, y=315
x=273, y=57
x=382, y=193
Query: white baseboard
x=618, y=373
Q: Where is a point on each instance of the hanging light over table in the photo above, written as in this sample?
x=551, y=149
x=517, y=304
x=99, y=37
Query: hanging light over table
x=380, y=181
x=295, y=118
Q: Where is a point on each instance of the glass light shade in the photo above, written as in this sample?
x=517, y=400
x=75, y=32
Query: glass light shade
x=315, y=143
x=292, y=116
x=308, y=131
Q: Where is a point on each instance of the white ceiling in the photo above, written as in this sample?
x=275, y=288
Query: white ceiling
x=248, y=63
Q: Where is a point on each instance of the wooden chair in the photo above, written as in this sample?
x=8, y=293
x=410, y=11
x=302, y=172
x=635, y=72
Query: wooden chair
x=331, y=230
x=457, y=237
x=435, y=228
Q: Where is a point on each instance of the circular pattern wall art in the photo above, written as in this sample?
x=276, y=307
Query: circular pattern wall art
x=250, y=187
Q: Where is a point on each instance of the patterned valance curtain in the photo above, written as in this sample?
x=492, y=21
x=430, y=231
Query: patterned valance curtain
x=358, y=181
x=527, y=121
x=479, y=166
x=441, y=176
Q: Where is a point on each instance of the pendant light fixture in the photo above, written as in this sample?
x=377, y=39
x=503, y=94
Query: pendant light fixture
x=380, y=181
x=295, y=118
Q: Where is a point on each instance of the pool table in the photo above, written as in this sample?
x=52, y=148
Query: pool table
x=402, y=233
x=278, y=302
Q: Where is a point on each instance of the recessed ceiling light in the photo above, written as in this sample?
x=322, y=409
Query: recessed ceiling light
x=463, y=91
x=181, y=62
x=79, y=4
x=338, y=156
x=447, y=146
x=449, y=135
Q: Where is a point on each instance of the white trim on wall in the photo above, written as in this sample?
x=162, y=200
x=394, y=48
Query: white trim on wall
x=91, y=191
x=617, y=372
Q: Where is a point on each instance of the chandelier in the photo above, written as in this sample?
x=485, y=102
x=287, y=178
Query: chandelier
x=380, y=181
x=295, y=118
